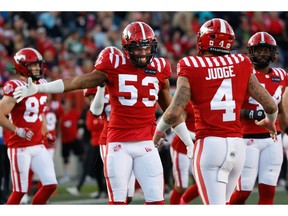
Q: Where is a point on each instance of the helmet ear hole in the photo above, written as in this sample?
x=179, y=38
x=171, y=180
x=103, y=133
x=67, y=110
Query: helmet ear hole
x=212, y=36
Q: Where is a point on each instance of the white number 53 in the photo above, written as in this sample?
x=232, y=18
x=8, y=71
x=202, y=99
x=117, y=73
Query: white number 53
x=134, y=94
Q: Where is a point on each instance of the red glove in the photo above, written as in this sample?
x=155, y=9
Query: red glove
x=25, y=133
x=50, y=138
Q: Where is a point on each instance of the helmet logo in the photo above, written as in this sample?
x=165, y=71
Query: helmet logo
x=18, y=58
x=127, y=34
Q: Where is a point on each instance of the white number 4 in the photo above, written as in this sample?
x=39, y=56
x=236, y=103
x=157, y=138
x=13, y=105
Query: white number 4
x=217, y=103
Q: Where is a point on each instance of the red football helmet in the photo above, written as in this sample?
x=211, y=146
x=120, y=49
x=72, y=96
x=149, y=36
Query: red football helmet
x=215, y=36
x=23, y=58
x=138, y=35
x=262, y=39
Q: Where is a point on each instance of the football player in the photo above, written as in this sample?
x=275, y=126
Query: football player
x=100, y=105
x=217, y=81
x=264, y=157
x=136, y=82
x=26, y=147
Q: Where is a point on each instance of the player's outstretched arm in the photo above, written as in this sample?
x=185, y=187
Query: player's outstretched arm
x=172, y=116
x=260, y=94
x=88, y=80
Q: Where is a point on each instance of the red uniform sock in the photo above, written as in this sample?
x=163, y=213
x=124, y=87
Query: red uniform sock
x=239, y=197
x=117, y=203
x=190, y=194
x=175, y=197
x=266, y=194
x=155, y=203
x=43, y=194
x=15, y=198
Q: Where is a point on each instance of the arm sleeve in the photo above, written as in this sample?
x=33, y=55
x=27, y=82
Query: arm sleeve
x=97, y=104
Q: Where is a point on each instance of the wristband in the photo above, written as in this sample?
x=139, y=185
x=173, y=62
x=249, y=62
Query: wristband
x=248, y=114
x=184, y=134
x=162, y=126
x=56, y=86
x=272, y=117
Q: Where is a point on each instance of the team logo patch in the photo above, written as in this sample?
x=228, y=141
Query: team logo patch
x=148, y=149
x=250, y=142
x=8, y=89
x=150, y=71
x=117, y=148
x=275, y=79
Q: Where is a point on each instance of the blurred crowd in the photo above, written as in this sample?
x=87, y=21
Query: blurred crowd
x=71, y=41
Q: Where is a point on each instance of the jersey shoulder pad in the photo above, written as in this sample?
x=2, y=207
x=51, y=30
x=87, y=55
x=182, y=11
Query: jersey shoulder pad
x=109, y=60
x=41, y=81
x=162, y=65
x=11, y=85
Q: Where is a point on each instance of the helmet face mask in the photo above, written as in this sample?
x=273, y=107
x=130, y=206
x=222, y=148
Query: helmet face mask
x=25, y=59
x=139, y=44
x=262, y=49
x=215, y=36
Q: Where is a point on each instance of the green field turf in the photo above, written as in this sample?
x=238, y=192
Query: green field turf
x=63, y=197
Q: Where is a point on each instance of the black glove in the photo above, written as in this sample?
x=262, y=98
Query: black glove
x=254, y=114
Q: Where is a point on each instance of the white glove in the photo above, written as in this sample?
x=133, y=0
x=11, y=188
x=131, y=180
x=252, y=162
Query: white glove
x=25, y=91
x=25, y=133
x=190, y=150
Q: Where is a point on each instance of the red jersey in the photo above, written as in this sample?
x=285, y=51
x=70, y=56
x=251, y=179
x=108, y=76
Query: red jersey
x=26, y=114
x=133, y=95
x=274, y=82
x=94, y=125
x=218, y=87
x=69, y=125
x=53, y=112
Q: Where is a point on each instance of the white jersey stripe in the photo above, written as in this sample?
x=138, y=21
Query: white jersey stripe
x=194, y=61
x=201, y=61
x=222, y=60
x=235, y=58
x=18, y=82
x=41, y=81
x=158, y=64
x=241, y=57
x=216, y=62
x=229, y=59
x=208, y=61
x=163, y=61
x=117, y=60
x=123, y=60
x=186, y=61
x=279, y=72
